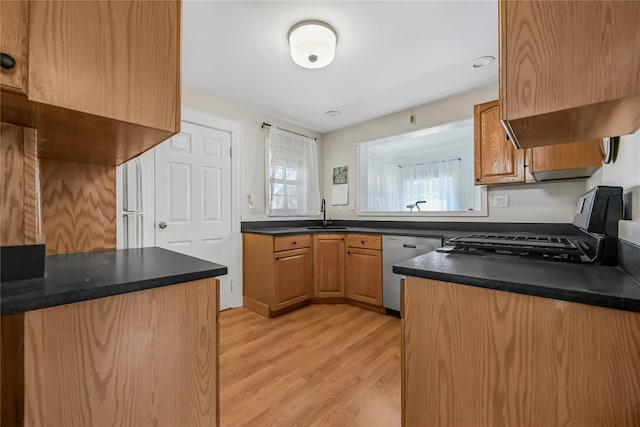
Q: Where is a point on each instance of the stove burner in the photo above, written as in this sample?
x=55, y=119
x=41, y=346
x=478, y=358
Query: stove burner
x=541, y=247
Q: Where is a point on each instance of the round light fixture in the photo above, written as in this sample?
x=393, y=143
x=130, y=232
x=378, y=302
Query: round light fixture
x=332, y=113
x=482, y=61
x=312, y=43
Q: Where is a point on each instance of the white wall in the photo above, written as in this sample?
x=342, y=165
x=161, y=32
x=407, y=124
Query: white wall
x=625, y=172
x=547, y=202
x=253, y=144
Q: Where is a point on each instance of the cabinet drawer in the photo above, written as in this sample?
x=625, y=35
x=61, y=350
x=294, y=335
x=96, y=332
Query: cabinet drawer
x=364, y=241
x=291, y=242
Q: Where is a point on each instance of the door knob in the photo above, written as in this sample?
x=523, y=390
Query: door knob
x=162, y=225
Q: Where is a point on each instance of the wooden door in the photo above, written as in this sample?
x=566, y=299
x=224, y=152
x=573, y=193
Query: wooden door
x=14, y=41
x=328, y=265
x=496, y=160
x=193, y=197
x=293, y=275
x=114, y=59
x=364, y=275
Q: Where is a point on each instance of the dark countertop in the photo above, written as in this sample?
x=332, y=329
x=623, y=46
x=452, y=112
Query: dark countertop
x=442, y=230
x=81, y=277
x=288, y=231
x=588, y=284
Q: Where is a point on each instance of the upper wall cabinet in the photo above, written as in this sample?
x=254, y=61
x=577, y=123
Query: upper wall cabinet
x=14, y=39
x=568, y=70
x=498, y=162
x=103, y=77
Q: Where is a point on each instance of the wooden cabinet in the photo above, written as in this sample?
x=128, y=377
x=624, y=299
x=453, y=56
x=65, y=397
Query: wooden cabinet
x=14, y=41
x=275, y=277
x=292, y=277
x=364, y=269
x=107, y=72
x=19, y=171
x=328, y=265
x=515, y=360
x=114, y=59
x=566, y=73
x=141, y=358
x=498, y=162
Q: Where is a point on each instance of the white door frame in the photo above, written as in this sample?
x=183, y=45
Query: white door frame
x=205, y=119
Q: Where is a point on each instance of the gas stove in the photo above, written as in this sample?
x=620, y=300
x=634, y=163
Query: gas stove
x=542, y=247
x=596, y=241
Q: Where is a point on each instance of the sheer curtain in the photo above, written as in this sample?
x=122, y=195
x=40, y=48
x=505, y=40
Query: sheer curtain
x=293, y=186
x=383, y=186
x=438, y=183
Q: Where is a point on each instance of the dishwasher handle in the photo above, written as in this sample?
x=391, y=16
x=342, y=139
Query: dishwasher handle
x=409, y=246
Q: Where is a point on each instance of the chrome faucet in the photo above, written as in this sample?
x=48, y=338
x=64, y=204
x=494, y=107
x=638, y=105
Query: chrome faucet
x=323, y=209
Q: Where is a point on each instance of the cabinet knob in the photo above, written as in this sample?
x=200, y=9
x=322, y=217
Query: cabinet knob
x=477, y=179
x=362, y=242
x=6, y=61
x=295, y=243
x=162, y=225
x=277, y=258
x=348, y=253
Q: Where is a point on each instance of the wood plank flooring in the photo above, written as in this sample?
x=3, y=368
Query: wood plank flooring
x=322, y=365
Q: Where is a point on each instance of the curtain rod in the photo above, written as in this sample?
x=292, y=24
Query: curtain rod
x=287, y=130
x=430, y=163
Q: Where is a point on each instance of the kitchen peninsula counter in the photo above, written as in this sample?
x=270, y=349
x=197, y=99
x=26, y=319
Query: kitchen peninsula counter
x=595, y=285
x=85, y=276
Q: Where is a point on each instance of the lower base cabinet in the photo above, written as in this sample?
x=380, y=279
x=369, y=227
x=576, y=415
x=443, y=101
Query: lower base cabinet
x=277, y=272
x=480, y=357
x=328, y=266
x=146, y=358
x=283, y=273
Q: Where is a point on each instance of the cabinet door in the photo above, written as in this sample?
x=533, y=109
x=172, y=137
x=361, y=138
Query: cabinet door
x=328, y=265
x=114, y=59
x=293, y=276
x=561, y=79
x=14, y=27
x=569, y=160
x=364, y=275
x=496, y=160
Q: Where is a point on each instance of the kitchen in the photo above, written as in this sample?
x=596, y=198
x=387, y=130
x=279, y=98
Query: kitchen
x=553, y=204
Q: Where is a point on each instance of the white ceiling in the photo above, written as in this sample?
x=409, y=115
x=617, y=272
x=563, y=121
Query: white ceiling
x=391, y=56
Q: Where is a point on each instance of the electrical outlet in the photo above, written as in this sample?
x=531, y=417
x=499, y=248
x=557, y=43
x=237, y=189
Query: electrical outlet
x=351, y=206
x=500, y=201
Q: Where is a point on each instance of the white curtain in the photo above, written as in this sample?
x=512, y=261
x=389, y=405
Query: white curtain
x=437, y=183
x=383, y=186
x=293, y=186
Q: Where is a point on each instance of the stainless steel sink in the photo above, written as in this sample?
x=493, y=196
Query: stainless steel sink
x=328, y=227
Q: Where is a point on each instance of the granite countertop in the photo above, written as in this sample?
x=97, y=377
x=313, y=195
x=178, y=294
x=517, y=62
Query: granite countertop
x=80, y=277
x=588, y=284
x=288, y=231
x=441, y=230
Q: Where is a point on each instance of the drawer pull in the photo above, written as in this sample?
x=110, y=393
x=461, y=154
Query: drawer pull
x=6, y=61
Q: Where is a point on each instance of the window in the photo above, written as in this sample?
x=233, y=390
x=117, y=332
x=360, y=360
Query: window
x=293, y=187
x=425, y=172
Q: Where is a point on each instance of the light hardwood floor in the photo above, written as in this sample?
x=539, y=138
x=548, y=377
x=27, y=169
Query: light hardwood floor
x=322, y=365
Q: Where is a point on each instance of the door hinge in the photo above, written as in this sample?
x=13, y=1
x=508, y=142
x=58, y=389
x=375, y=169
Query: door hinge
x=230, y=151
x=231, y=285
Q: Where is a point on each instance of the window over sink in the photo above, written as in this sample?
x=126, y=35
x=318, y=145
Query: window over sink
x=426, y=172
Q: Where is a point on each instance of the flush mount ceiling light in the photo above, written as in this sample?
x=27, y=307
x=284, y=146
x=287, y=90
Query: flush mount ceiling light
x=482, y=61
x=332, y=113
x=312, y=43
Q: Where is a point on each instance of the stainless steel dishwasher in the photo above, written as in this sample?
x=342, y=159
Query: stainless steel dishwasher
x=396, y=249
